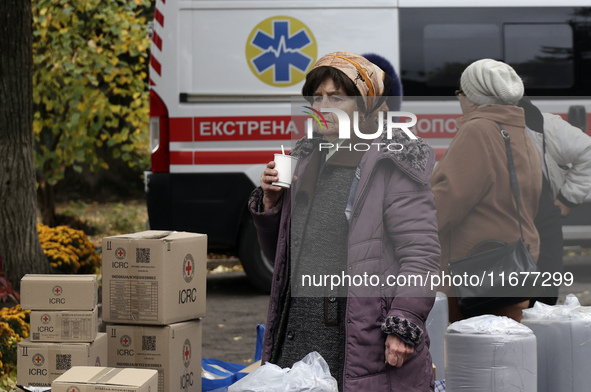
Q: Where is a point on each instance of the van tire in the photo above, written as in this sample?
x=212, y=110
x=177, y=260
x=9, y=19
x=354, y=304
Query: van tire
x=258, y=268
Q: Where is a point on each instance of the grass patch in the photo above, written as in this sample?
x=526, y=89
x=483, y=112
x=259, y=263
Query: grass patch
x=106, y=219
x=99, y=220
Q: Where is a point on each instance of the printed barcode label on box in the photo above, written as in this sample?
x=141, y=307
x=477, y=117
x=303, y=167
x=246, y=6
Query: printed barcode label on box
x=142, y=255
x=160, y=380
x=36, y=336
x=63, y=361
x=133, y=300
x=148, y=343
x=75, y=328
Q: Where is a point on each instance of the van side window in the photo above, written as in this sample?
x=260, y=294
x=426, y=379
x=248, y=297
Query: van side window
x=548, y=46
x=450, y=48
x=542, y=54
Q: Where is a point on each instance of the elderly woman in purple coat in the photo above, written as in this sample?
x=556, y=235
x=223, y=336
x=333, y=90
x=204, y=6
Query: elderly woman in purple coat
x=354, y=240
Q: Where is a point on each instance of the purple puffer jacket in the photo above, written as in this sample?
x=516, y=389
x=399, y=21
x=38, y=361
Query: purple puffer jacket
x=393, y=231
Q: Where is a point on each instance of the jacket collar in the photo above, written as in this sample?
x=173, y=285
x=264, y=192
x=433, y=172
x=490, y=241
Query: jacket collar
x=416, y=158
x=308, y=151
x=413, y=156
x=505, y=114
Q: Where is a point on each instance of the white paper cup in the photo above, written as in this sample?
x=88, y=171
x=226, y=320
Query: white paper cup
x=285, y=166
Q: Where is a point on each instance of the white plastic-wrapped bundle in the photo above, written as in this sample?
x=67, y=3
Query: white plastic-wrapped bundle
x=564, y=345
x=490, y=353
x=437, y=323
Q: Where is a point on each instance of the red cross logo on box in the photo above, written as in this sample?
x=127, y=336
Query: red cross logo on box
x=57, y=290
x=187, y=352
x=188, y=268
x=125, y=341
x=120, y=253
x=73, y=389
x=38, y=360
x=45, y=319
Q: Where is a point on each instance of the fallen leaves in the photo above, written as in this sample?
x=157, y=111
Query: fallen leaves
x=220, y=269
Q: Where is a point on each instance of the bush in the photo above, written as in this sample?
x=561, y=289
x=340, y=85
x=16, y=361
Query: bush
x=90, y=84
x=14, y=327
x=69, y=251
x=7, y=293
x=124, y=219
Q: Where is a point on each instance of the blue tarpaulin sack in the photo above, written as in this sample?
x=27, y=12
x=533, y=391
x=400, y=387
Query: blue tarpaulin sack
x=218, y=375
x=259, y=347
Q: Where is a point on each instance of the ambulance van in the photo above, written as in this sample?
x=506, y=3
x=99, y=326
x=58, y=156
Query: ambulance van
x=223, y=74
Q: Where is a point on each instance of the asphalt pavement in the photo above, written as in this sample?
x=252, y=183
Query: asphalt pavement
x=234, y=308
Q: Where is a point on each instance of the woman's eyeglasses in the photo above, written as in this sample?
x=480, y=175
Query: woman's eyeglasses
x=459, y=92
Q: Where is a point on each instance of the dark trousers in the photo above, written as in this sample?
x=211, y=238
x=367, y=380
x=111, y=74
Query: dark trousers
x=549, y=227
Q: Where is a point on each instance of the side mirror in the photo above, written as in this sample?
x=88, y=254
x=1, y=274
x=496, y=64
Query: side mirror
x=577, y=116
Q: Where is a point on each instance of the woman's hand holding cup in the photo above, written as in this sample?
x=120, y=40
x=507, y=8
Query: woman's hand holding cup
x=272, y=193
x=277, y=176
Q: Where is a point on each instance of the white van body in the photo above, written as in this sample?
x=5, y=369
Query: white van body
x=223, y=74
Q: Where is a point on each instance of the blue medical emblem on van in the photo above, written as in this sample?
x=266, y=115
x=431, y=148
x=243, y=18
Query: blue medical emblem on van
x=280, y=51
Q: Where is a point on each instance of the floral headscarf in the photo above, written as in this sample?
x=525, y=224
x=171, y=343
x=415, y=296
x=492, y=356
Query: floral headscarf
x=369, y=79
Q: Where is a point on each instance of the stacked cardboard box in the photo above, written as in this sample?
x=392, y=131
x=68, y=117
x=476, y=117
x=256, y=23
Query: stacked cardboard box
x=103, y=379
x=64, y=327
x=153, y=298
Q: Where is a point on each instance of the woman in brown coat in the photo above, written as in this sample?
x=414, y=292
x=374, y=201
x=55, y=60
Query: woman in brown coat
x=471, y=182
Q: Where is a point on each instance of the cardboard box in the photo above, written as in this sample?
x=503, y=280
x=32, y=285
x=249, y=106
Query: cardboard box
x=154, y=277
x=92, y=379
x=38, y=364
x=64, y=326
x=174, y=350
x=59, y=292
x=252, y=367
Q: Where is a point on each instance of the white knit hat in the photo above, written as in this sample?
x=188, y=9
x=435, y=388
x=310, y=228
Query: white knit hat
x=489, y=81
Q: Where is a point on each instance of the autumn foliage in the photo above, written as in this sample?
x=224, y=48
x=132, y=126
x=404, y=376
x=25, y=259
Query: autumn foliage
x=90, y=84
x=69, y=251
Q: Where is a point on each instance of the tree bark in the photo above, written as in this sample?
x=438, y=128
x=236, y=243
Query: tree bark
x=19, y=241
x=46, y=203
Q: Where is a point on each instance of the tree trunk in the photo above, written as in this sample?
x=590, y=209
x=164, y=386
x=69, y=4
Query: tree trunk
x=46, y=203
x=19, y=242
